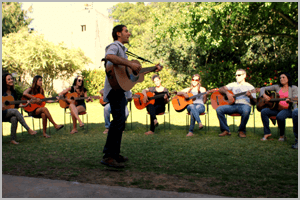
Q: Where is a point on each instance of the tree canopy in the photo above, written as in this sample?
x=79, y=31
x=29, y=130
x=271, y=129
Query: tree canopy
x=13, y=17
x=216, y=38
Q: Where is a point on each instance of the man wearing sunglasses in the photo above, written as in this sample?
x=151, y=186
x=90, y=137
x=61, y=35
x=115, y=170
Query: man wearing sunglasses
x=241, y=106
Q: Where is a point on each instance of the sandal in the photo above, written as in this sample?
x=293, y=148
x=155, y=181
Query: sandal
x=263, y=139
x=47, y=136
x=81, y=126
x=72, y=132
x=60, y=127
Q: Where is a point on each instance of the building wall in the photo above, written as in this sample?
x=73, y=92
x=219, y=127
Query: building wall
x=93, y=41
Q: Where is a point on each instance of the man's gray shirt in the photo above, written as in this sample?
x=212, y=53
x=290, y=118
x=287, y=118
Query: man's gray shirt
x=118, y=49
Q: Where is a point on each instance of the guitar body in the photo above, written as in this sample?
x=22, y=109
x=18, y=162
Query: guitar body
x=69, y=96
x=138, y=102
x=122, y=77
x=103, y=103
x=218, y=99
x=6, y=100
x=180, y=103
x=32, y=107
x=261, y=103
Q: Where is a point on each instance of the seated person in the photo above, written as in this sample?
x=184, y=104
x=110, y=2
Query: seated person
x=197, y=107
x=159, y=105
x=12, y=115
x=107, y=110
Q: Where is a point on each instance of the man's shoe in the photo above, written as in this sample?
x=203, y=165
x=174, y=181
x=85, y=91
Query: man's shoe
x=121, y=159
x=105, y=131
x=295, y=146
x=242, y=134
x=109, y=161
x=224, y=134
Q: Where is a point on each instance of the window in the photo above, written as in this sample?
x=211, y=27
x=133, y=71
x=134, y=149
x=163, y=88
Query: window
x=83, y=28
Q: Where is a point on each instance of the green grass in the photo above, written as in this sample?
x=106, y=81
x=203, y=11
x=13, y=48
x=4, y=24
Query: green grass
x=233, y=166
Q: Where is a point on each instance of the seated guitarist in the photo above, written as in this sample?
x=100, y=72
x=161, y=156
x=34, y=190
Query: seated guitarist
x=116, y=54
x=40, y=112
x=197, y=107
x=77, y=106
x=12, y=115
x=286, y=90
x=242, y=103
x=107, y=110
x=159, y=105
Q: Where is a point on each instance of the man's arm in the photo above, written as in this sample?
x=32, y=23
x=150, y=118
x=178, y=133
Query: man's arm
x=134, y=65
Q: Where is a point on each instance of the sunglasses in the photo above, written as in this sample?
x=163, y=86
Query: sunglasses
x=79, y=80
x=195, y=79
x=238, y=75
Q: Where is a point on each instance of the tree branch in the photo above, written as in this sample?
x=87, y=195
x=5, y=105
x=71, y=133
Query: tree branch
x=265, y=34
x=294, y=24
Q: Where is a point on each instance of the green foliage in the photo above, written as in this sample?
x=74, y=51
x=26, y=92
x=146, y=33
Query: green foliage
x=95, y=79
x=13, y=17
x=26, y=53
x=216, y=38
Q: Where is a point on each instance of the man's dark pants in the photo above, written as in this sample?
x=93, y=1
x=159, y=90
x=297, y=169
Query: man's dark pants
x=117, y=102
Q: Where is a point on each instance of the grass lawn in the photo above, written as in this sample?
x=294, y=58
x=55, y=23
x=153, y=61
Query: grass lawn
x=204, y=163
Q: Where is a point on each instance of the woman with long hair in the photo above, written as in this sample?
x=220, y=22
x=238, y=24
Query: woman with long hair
x=159, y=105
x=197, y=107
x=41, y=112
x=12, y=115
x=285, y=89
x=77, y=106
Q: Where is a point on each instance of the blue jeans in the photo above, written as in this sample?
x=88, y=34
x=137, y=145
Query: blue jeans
x=243, y=109
x=280, y=116
x=295, y=122
x=107, y=111
x=195, y=110
x=117, y=102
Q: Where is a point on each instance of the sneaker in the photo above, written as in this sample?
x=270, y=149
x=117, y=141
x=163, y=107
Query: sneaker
x=295, y=146
x=224, y=133
x=242, y=134
x=122, y=159
x=109, y=161
x=282, y=139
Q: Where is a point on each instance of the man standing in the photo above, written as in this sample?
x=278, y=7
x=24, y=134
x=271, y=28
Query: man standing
x=242, y=103
x=116, y=54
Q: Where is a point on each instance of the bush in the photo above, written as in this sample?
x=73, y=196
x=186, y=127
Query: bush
x=95, y=79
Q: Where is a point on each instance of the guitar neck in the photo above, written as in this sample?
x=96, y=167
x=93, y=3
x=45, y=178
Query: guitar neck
x=197, y=95
x=147, y=69
x=281, y=99
x=16, y=102
x=158, y=96
x=80, y=98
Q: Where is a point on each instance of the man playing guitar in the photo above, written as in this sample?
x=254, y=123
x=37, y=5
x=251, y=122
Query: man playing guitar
x=116, y=53
x=242, y=103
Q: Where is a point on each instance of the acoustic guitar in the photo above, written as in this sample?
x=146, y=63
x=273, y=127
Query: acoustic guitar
x=218, y=99
x=73, y=97
x=180, y=102
x=9, y=102
x=273, y=103
x=32, y=107
x=122, y=77
x=138, y=99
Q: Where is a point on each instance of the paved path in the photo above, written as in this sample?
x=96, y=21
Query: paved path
x=28, y=187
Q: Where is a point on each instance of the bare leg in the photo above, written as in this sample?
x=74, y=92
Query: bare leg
x=74, y=130
x=48, y=115
x=74, y=112
x=44, y=117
